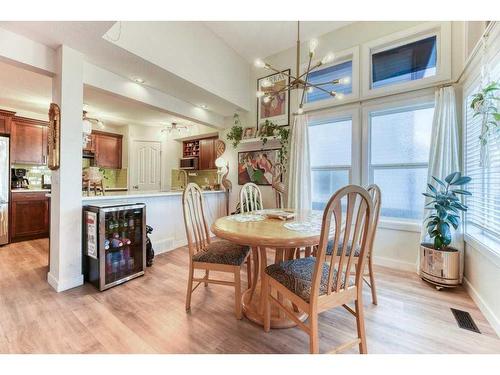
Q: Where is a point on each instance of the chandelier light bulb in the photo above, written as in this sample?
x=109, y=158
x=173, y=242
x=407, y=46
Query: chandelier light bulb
x=313, y=44
x=328, y=58
x=345, y=80
x=259, y=63
x=267, y=99
x=339, y=96
x=300, y=110
x=260, y=94
x=310, y=89
x=266, y=83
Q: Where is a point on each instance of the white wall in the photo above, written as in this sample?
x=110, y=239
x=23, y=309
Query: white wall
x=181, y=48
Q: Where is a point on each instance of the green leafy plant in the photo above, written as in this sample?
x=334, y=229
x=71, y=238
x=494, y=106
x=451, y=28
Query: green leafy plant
x=236, y=133
x=446, y=206
x=484, y=103
x=280, y=133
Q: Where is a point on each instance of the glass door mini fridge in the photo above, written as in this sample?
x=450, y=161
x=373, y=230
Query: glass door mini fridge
x=114, y=248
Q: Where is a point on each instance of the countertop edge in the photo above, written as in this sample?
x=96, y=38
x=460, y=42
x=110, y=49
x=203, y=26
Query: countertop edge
x=139, y=195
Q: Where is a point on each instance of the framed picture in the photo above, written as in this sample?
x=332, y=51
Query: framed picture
x=249, y=133
x=256, y=166
x=277, y=109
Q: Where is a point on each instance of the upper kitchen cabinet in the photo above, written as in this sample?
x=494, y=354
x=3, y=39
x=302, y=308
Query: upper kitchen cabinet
x=5, y=121
x=207, y=154
x=108, y=149
x=28, y=141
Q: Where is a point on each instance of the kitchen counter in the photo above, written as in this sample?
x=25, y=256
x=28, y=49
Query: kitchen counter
x=112, y=195
x=35, y=190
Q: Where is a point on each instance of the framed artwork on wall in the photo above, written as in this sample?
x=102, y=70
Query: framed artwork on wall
x=249, y=133
x=256, y=166
x=277, y=108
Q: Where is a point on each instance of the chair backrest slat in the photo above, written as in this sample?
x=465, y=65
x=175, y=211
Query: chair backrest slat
x=376, y=196
x=351, y=211
x=278, y=186
x=250, y=198
x=193, y=206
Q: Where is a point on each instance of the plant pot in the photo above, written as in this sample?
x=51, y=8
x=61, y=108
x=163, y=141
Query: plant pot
x=440, y=267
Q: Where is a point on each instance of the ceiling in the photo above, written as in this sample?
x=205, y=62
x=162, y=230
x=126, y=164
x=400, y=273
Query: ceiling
x=86, y=37
x=24, y=90
x=253, y=39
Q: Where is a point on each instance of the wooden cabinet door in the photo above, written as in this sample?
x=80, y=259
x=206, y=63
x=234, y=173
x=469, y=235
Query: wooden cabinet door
x=5, y=121
x=207, y=154
x=29, y=216
x=108, y=150
x=28, y=142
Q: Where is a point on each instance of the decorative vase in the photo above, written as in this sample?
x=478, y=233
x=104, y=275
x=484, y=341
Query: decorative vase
x=440, y=267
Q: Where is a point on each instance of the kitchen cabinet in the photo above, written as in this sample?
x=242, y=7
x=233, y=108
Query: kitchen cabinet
x=28, y=141
x=5, y=121
x=108, y=149
x=207, y=154
x=30, y=215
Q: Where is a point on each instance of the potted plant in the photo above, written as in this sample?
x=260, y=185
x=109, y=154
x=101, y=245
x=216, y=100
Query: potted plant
x=485, y=103
x=440, y=263
x=235, y=134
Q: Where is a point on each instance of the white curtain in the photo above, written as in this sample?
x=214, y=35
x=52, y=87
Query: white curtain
x=299, y=166
x=444, y=157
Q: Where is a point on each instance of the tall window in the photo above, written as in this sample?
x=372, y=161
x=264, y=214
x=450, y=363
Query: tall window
x=398, y=158
x=483, y=216
x=328, y=74
x=408, y=62
x=330, y=141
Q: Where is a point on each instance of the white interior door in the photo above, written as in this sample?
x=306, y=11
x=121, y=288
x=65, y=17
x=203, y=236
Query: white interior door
x=146, y=159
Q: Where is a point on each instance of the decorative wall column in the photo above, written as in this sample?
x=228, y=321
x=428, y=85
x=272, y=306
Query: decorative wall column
x=65, y=268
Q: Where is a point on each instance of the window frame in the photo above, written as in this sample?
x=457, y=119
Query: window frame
x=337, y=115
x=351, y=54
x=424, y=99
x=442, y=31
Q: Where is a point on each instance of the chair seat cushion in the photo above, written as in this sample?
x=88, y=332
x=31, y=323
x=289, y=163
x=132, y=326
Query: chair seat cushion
x=329, y=248
x=222, y=252
x=296, y=275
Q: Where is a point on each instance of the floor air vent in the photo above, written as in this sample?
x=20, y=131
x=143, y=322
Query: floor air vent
x=464, y=320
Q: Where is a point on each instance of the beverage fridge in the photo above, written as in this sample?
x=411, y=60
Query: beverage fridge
x=114, y=248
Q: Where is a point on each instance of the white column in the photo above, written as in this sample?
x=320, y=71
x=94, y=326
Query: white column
x=65, y=270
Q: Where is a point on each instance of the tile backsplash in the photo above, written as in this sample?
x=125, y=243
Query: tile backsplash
x=34, y=173
x=202, y=178
x=113, y=178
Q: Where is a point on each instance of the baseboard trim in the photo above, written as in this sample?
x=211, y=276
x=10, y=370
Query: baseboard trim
x=61, y=286
x=394, y=263
x=483, y=306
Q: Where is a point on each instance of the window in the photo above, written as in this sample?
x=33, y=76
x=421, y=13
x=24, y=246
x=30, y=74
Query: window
x=330, y=141
x=482, y=220
x=328, y=74
x=408, y=62
x=398, y=157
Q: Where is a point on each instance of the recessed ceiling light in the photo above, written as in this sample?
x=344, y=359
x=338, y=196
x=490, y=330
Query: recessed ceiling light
x=204, y=106
x=138, y=80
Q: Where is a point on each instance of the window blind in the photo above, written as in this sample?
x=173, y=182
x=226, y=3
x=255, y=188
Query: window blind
x=483, y=215
x=328, y=74
x=405, y=63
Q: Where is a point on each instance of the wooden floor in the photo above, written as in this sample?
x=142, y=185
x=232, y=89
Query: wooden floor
x=147, y=315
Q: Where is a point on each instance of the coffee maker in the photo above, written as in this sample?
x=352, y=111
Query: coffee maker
x=18, y=179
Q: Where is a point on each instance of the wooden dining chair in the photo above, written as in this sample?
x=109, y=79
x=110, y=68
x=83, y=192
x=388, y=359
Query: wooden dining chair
x=250, y=198
x=317, y=284
x=208, y=255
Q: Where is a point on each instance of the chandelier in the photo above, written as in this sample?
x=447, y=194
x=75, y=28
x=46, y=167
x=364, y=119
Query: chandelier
x=300, y=81
x=174, y=127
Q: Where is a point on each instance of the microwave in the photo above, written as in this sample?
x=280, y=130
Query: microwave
x=189, y=163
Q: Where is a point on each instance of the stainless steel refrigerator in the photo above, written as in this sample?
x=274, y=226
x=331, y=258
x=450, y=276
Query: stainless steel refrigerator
x=4, y=190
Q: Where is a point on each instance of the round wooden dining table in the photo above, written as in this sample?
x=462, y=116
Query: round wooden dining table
x=269, y=234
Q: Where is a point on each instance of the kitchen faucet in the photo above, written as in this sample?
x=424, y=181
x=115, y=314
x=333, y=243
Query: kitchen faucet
x=185, y=178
